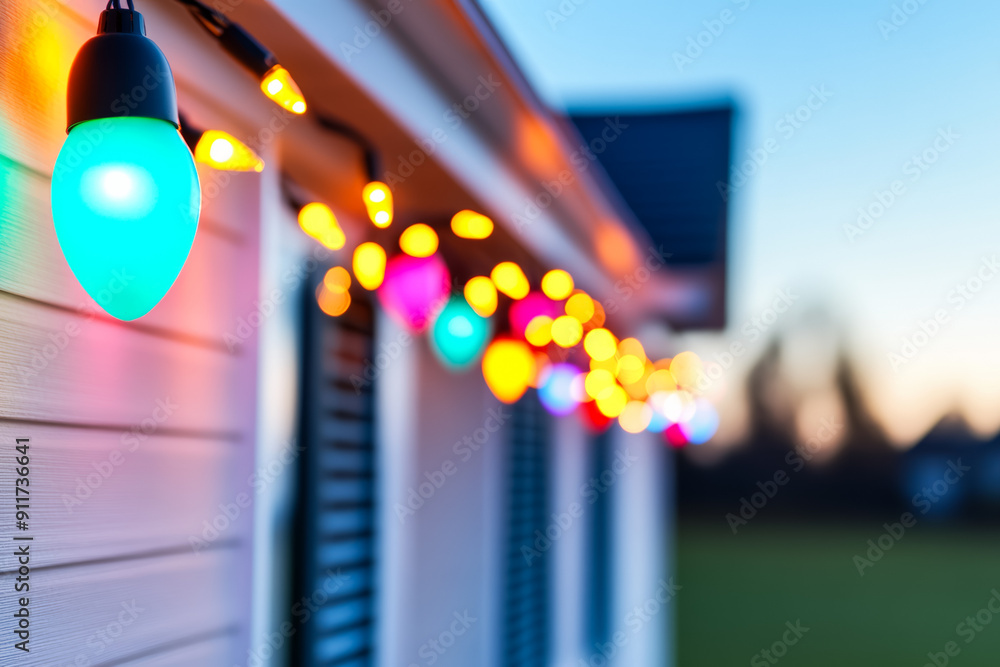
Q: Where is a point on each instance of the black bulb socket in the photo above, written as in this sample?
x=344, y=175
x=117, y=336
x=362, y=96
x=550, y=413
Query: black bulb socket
x=120, y=73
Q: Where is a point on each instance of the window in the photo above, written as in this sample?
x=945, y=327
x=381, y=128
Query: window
x=526, y=597
x=335, y=545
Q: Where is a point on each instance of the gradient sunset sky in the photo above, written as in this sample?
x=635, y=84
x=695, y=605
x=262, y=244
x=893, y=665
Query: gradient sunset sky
x=891, y=94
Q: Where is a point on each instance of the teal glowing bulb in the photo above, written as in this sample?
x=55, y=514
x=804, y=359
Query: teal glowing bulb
x=459, y=334
x=125, y=201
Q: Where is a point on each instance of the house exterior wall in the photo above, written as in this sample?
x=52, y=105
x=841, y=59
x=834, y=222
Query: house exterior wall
x=441, y=440
x=141, y=434
x=229, y=411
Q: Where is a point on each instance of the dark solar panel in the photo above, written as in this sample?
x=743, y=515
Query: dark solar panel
x=668, y=167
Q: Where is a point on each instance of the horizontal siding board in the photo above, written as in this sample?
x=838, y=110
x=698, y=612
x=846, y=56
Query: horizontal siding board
x=98, y=494
x=74, y=611
x=129, y=539
x=214, y=651
x=109, y=374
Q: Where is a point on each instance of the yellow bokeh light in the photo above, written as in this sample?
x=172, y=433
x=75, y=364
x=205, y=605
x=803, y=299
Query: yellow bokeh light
x=539, y=331
x=566, y=331
x=510, y=280
x=580, y=307
x=471, y=225
x=332, y=302
x=610, y=365
x=334, y=239
x=418, y=240
x=635, y=417
x=557, y=284
x=599, y=383
x=319, y=222
x=481, y=294
x=612, y=404
x=637, y=389
x=600, y=344
x=630, y=369
x=336, y=279
x=369, y=265
x=221, y=150
x=632, y=346
x=660, y=380
x=378, y=202
x=509, y=368
x=687, y=370
x=278, y=85
x=662, y=364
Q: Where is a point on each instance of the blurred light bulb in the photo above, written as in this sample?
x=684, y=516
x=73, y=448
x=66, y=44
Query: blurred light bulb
x=580, y=307
x=369, y=265
x=481, y=294
x=600, y=344
x=510, y=280
x=632, y=347
x=415, y=289
x=332, y=302
x=418, y=240
x=508, y=368
x=539, y=331
x=318, y=221
x=566, y=331
x=378, y=203
x=337, y=279
x=522, y=312
x=221, y=150
x=660, y=380
x=555, y=388
x=687, y=370
x=459, y=334
x=471, y=225
x=557, y=284
x=599, y=383
x=613, y=402
x=278, y=85
x=635, y=417
x=630, y=369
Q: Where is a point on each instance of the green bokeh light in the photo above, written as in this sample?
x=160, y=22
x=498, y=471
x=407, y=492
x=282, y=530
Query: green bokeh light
x=125, y=202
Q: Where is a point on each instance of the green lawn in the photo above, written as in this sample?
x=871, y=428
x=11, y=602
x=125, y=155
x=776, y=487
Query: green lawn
x=739, y=591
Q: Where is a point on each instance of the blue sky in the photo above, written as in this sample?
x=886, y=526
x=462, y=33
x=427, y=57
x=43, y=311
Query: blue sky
x=892, y=94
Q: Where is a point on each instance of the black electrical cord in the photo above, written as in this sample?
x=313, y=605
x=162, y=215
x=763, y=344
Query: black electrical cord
x=116, y=4
x=371, y=155
x=213, y=21
x=257, y=58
